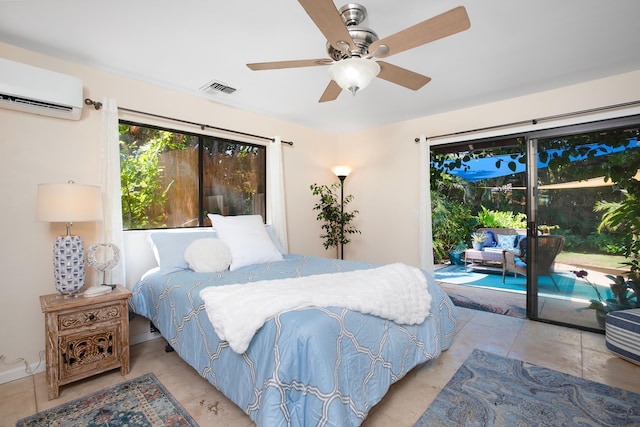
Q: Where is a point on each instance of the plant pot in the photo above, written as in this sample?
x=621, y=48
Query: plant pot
x=456, y=258
x=477, y=246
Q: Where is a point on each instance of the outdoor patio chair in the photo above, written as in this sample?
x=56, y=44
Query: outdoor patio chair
x=548, y=248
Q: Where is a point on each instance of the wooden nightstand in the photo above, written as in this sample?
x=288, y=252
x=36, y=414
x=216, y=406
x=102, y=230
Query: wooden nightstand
x=85, y=336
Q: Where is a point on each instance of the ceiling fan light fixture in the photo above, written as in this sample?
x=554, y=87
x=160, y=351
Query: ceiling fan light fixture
x=354, y=73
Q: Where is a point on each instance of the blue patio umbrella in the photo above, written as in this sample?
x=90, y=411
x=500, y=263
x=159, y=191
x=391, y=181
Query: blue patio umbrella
x=496, y=166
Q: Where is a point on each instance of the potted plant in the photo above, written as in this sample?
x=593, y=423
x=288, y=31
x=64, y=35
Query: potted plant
x=455, y=253
x=478, y=239
x=626, y=295
x=336, y=219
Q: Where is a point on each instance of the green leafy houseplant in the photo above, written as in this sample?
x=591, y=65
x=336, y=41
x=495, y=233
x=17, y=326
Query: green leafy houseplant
x=336, y=219
x=626, y=295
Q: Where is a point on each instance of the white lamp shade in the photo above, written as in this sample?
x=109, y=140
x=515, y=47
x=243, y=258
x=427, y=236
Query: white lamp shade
x=341, y=170
x=69, y=203
x=354, y=74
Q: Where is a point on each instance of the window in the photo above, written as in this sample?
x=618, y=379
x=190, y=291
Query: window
x=174, y=179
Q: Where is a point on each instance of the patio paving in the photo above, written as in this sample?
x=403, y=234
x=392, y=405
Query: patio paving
x=513, y=303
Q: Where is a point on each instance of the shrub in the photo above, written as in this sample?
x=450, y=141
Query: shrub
x=452, y=225
x=501, y=219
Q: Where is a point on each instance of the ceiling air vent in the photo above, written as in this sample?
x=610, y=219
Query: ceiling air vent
x=215, y=87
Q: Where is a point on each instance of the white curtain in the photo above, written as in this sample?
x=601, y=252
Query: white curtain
x=426, y=231
x=110, y=180
x=276, y=212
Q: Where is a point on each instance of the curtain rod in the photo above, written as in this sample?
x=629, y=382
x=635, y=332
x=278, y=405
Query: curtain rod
x=98, y=105
x=536, y=121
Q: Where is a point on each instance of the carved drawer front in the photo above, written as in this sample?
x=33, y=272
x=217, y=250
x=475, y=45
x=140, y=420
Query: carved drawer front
x=87, y=351
x=89, y=316
x=85, y=336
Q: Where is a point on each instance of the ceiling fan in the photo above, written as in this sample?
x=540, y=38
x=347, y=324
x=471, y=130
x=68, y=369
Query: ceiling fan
x=351, y=48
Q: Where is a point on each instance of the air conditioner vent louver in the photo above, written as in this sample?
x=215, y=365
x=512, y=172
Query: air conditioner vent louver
x=33, y=103
x=215, y=86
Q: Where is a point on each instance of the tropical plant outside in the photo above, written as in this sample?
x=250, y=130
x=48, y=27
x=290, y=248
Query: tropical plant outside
x=620, y=218
x=489, y=218
x=173, y=179
x=140, y=171
x=452, y=225
x=624, y=215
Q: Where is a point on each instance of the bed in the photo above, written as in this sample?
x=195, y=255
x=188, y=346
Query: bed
x=304, y=366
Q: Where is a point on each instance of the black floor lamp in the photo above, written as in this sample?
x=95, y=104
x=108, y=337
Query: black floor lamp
x=342, y=172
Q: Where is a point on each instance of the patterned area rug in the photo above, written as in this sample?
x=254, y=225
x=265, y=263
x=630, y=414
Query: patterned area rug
x=142, y=402
x=489, y=390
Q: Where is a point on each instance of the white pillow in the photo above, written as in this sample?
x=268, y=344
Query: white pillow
x=208, y=255
x=247, y=238
x=169, y=245
x=275, y=239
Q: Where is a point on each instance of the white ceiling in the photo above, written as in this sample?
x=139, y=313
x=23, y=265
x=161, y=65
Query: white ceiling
x=513, y=47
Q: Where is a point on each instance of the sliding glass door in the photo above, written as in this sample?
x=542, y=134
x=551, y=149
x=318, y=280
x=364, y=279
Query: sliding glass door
x=577, y=256
x=574, y=192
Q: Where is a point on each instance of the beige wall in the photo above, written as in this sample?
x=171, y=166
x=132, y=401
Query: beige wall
x=36, y=149
x=384, y=182
x=386, y=167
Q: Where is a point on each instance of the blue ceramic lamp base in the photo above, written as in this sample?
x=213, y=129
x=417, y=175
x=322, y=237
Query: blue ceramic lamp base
x=68, y=264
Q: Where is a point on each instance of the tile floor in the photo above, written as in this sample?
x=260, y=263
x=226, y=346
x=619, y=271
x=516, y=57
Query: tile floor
x=568, y=350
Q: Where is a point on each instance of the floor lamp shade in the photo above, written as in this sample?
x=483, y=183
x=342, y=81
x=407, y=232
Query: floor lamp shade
x=68, y=203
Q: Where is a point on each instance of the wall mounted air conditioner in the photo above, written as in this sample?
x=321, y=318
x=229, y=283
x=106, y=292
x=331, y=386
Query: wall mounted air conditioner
x=39, y=91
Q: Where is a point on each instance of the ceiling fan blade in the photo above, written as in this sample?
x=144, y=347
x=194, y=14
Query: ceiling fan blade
x=327, y=18
x=331, y=92
x=402, y=76
x=443, y=25
x=258, y=66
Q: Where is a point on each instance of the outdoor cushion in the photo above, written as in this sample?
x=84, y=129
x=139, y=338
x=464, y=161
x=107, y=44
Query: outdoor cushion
x=507, y=241
x=622, y=334
x=522, y=247
x=491, y=240
x=521, y=251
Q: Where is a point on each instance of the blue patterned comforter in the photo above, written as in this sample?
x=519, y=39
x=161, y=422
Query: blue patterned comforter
x=307, y=367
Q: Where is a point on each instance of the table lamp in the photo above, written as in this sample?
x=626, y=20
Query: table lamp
x=68, y=203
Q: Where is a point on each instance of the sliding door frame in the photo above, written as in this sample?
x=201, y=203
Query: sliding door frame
x=531, y=196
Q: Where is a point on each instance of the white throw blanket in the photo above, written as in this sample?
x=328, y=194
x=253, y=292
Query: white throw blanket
x=396, y=292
